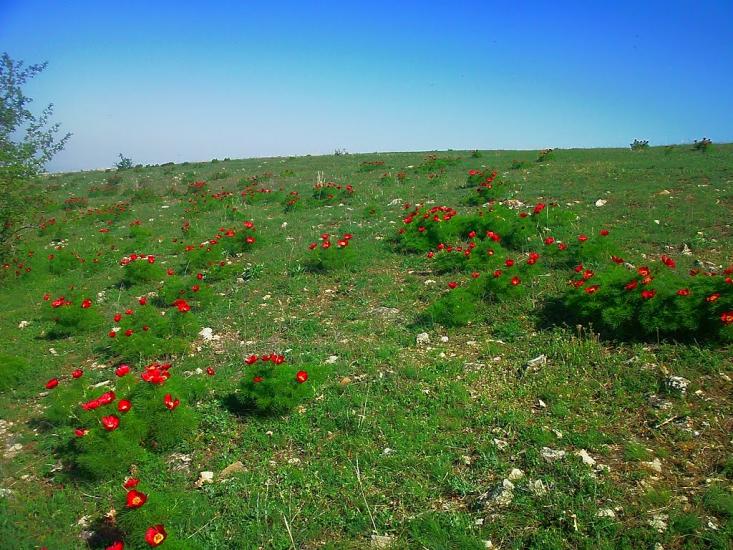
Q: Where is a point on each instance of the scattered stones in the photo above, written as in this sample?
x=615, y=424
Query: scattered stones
x=585, y=457
x=23, y=324
x=383, y=311
x=605, y=513
x=179, y=462
x=207, y=333
x=537, y=487
x=234, y=468
x=501, y=444
x=537, y=362
x=659, y=522
x=382, y=541
x=345, y=381
x=502, y=494
x=515, y=474
x=654, y=465
x=658, y=403
x=444, y=339
x=551, y=455
x=204, y=477
x=677, y=384
x=422, y=339
x=12, y=450
x=331, y=359
x=387, y=451
x=601, y=202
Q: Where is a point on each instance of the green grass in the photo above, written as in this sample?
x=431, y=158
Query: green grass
x=395, y=439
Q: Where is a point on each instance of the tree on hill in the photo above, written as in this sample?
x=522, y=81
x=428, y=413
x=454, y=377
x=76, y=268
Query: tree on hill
x=27, y=142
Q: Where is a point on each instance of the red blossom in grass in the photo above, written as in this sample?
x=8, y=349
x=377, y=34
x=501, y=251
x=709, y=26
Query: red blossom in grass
x=169, y=271
x=156, y=373
x=257, y=379
x=516, y=281
x=549, y=240
x=122, y=370
x=124, y=405
x=58, y=302
x=51, y=384
x=251, y=359
x=603, y=232
x=533, y=257
x=475, y=275
x=266, y=357
x=77, y=373
x=592, y=289
x=46, y=297
x=301, y=376
x=116, y=545
x=509, y=262
x=617, y=260
x=588, y=274
x=648, y=294
x=523, y=214
x=539, y=208
x=631, y=285
x=182, y=305
x=278, y=359
x=726, y=317
x=117, y=318
x=431, y=254
x=683, y=292
x=498, y=273
x=131, y=482
x=86, y=303
x=342, y=243
x=713, y=297
x=110, y=423
x=452, y=284
x=326, y=244
x=135, y=499
x=195, y=288
x=151, y=259
x=155, y=535
x=578, y=268
x=210, y=371
x=128, y=332
x=312, y=246
x=200, y=276
x=104, y=230
x=493, y=236
x=249, y=240
x=142, y=300
x=472, y=235
x=170, y=403
x=579, y=283
x=669, y=262
x=582, y=238
x=561, y=246
x=422, y=229
x=81, y=432
x=644, y=271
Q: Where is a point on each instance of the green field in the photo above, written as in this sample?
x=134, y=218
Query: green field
x=444, y=441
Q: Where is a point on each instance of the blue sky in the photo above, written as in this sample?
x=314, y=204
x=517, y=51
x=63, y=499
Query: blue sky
x=175, y=81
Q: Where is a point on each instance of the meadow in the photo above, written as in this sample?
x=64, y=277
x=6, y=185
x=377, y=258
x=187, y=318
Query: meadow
x=455, y=349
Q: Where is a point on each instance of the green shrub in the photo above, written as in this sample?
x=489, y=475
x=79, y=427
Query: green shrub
x=272, y=386
x=332, y=193
x=13, y=370
x=331, y=256
x=140, y=269
x=71, y=315
x=639, y=144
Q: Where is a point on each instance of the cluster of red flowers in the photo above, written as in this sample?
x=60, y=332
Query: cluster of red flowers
x=137, y=257
x=343, y=242
x=273, y=357
x=155, y=535
x=156, y=373
x=436, y=214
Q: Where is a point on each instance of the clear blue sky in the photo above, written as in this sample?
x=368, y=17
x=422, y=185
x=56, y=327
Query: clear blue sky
x=175, y=81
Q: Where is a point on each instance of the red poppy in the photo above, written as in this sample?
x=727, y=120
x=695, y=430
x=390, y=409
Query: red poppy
x=631, y=285
x=587, y=274
x=326, y=244
x=561, y=246
x=549, y=240
x=124, y=405
x=116, y=545
x=578, y=268
x=86, y=303
x=155, y=535
x=509, y=262
x=669, y=262
x=497, y=273
x=422, y=229
x=135, y=499
x=182, y=305
x=51, y=384
x=251, y=359
x=77, y=373
x=713, y=297
x=170, y=403
x=46, y=297
x=452, y=284
x=644, y=271
x=117, y=318
x=475, y=275
x=81, y=432
x=516, y=281
x=539, y=208
x=301, y=376
x=617, y=260
x=128, y=332
x=278, y=359
x=648, y=294
x=151, y=259
x=58, y=302
x=131, y=482
x=726, y=317
x=472, y=234
x=122, y=370
x=210, y=371
x=312, y=246
x=431, y=254
x=195, y=288
x=257, y=379
x=592, y=289
x=342, y=243
x=155, y=373
x=603, y=232
x=169, y=271
x=683, y=292
x=523, y=214
x=582, y=238
x=110, y=423
x=143, y=300
x=265, y=357
x=200, y=276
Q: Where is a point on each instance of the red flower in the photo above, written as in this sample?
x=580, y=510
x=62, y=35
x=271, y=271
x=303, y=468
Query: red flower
x=582, y=238
x=169, y=271
x=124, y=405
x=128, y=332
x=170, y=403
x=431, y=254
x=549, y=240
x=182, y=305
x=58, y=302
x=86, y=303
x=116, y=545
x=143, y=300
x=561, y=246
x=603, y=232
x=631, y=285
x=342, y=243
x=713, y=297
x=257, y=379
x=131, y=482
x=210, y=371
x=200, y=276
x=195, y=288
x=81, y=432
x=135, y=499
x=278, y=359
x=301, y=376
x=516, y=281
x=110, y=422
x=683, y=292
x=726, y=317
x=251, y=359
x=644, y=271
x=578, y=268
x=472, y=234
x=117, y=318
x=106, y=398
x=452, y=284
x=326, y=244
x=265, y=357
x=77, y=373
x=497, y=273
x=592, y=289
x=509, y=262
x=51, y=384
x=648, y=294
x=669, y=262
x=475, y=275
x=312, y=246
x=539, y=207
x=250, y=240
x=422, y=229
x=617, y=260
x=151, y=259
x=122, y=370
x=155, y=535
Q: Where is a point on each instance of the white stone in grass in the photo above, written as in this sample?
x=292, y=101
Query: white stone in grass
x=444, y=339
x=677, y=384
x=601, y=202
x=551, y=455
x=654, y=465
x=382, y=541
x=537, y=361
x=605, y=513
x=516, y=474
x=207, y=333
x=23, y=324
x=537, y=487
x=659, y=522
x=429, y=282
x=585, y=457
x=500, y=444
x=422, y=339
x=205, y=477
x=332, y=359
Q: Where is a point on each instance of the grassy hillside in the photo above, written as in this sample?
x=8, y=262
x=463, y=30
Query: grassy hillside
x=521, y=427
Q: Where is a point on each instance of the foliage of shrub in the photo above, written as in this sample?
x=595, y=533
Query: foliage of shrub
x=639, y=144
x=370, y=166
x=71, y=315
x=13, y=371
x=331, y=256
x=331, y=193
x=702, y=145
x=272, y=386
x=75, y=203
x=138, y=269
x=545, y=155
x=435, y=164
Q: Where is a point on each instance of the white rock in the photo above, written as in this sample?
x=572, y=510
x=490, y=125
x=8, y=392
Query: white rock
x=677, y=384
x=429, y=282
x=207, y=333
x=552, y=454
x=655, y=465
x=382, y=541
x=205, y=477
x=332, y=359
x=501, y=444
x=23, y=324
x=659, y=522
x=516, y=474
x=444, y=339
x=605, y=513
x=394, y=202
x=422, y=339
x=601, y=202
x=585, y=457
x=538, y=487
x=283, y=225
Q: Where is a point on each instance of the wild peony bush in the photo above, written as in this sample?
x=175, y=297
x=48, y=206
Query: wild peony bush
x=107, y=429
x=272, y=386
x=190, y=288
x=71, y=315
x=140, y=269
x=328, y=255
x=652, y=302
x=331, y=193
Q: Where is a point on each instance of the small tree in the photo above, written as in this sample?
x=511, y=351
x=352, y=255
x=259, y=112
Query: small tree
x=125, y=163
x=27, y=143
